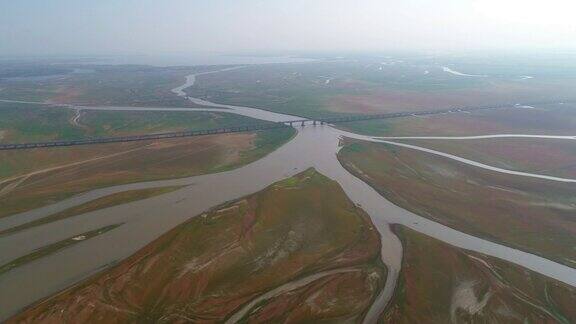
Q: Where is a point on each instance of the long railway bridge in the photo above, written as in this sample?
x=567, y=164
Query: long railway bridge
x=256, y=127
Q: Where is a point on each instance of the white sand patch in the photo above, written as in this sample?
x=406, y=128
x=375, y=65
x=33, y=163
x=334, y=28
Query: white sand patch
x=327, y=80
x=524, y=106
x=553, y=205
x=449, y=70
x=465, y=299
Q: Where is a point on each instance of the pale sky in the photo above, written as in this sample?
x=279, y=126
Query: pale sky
x=180, y=26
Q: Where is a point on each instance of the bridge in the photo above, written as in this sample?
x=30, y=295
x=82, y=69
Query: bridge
x=255, y=127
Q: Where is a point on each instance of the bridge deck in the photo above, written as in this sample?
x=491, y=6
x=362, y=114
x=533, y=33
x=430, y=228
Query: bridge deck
x=251, y=127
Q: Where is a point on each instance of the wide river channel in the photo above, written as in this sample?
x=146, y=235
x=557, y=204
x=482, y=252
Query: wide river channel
x=145, y=220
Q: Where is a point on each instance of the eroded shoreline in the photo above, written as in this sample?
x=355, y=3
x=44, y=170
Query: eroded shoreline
x=320, y=143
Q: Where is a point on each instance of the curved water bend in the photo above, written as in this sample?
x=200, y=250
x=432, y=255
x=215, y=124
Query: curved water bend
x=478, y=164
x=142, y=224
x=475, y=137
x=245, y=111
x=287, y=287
x=461, y=159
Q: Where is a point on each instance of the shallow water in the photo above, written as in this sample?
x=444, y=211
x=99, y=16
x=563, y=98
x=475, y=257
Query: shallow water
x=478, y=137
x=454, y=72
x=478, y=164
x=145, y=220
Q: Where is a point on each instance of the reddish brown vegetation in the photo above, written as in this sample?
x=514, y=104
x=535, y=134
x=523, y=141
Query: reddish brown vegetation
x=440, y=283
x=320, y=301
x=543, y=156
x=206, y=269
x=529, y=214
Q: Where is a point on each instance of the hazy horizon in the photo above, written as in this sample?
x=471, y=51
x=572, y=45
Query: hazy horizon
x=34, y=27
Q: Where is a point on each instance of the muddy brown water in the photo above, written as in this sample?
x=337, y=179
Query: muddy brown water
x=145, y=220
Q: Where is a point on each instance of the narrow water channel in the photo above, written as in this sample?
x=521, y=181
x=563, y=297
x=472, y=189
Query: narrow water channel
x=145, y=220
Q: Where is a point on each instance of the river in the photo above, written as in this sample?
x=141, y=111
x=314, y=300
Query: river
x=145, y=220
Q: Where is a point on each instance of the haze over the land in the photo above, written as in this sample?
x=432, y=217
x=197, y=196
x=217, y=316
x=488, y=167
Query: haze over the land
x=38, y=27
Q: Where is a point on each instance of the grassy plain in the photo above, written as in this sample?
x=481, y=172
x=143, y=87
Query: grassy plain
x=210, y=267
x=14, y=70
x=440, y=283
x=124, y=85
x=33, y=178
x=371, y=85
x=545, y=120
x=555, y=157
x=23, y=122
x=533, y=215
x=28, y=123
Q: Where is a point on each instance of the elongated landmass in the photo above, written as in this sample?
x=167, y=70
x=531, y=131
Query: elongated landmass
x=101, y=203
x=532, y=215
x=35, y=178
x=440, y=283
x=299, y=250
x=54, y=247
x=555, y=157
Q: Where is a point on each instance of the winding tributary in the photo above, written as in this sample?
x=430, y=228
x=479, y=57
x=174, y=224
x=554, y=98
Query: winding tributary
x=475, y=137
x=145, y=220
x=478, y=164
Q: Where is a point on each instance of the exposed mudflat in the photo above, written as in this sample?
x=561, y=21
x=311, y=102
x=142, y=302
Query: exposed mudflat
x=301, y=235
x=312, y=147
